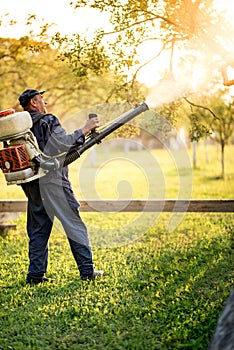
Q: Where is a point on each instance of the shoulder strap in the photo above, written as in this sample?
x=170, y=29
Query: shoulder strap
x=38, y=117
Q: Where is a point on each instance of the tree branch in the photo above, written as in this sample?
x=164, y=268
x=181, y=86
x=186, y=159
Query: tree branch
x=205, y=108
x=145, y=64
x=226, y=81
x=138, y=23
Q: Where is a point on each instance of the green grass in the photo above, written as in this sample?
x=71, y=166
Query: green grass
x=162, y=290
x=147, y=174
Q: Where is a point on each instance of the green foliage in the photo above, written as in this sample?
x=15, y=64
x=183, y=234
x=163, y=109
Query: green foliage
x=174, y=23
x=90, y=58
x=16, y=58
x=211, y=113
x=155, y=124
x=84, y=56
x=30, y=64
x=223, y=125
x=198, y=129
x=26, y=63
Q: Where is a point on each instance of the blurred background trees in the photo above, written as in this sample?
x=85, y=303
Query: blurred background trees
x=185, y=47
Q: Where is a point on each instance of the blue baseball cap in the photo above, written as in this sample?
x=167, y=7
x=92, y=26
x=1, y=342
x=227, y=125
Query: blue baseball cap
x=27, y=95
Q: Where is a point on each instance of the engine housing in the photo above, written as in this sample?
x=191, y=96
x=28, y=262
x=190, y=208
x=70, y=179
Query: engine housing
x=18, y=158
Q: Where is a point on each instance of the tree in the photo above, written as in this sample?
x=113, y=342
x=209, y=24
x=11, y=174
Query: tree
x=88, y=59
x=190, y=29
x=216, y=120
x=28, y=63
x=25, y=63
x=181, y=27
x=223, y=127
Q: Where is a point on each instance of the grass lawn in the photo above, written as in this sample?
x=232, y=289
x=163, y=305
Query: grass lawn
x=162, y=290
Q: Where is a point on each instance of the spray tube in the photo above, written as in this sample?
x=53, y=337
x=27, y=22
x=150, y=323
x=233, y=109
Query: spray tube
x=55, y=163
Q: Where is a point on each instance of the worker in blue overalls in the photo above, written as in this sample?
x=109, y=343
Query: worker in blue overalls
x=52, y=195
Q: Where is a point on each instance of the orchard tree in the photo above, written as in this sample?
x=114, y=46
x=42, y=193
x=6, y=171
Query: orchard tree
x=190, y=31
x=223, y=127
x=213, y=116
x=88, y=59
x=26, y=63
x=36, y=61
x=14, y=66
x=183, y=28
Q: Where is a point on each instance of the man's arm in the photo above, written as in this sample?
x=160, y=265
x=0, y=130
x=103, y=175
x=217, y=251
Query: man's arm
x=56, y=138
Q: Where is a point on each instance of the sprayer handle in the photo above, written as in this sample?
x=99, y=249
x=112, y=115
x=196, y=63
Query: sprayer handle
x=93, y=132
x=92, y=115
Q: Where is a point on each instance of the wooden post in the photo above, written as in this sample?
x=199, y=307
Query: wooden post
x=5, y=226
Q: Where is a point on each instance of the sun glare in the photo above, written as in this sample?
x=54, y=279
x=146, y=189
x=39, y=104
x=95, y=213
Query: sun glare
x=86, y=20
x=195, y=71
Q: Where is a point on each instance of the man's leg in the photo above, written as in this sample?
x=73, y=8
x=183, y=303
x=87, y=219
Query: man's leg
x=39, y=226
x=65, y=207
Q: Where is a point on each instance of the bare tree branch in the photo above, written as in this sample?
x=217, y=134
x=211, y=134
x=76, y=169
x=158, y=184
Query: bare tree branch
x=145, y=64
x=138, y=23
x=205, y=108
x=226, y=81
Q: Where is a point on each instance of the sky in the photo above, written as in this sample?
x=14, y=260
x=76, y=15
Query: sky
x=66, y=20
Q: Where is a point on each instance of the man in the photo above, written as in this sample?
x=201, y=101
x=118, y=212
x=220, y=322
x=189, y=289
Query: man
x=52, y=196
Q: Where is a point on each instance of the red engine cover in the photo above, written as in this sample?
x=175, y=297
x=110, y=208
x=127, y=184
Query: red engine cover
x=14, y=158
x=7, y=112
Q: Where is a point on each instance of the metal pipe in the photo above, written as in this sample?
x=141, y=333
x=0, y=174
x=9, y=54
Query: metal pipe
x=58, y=162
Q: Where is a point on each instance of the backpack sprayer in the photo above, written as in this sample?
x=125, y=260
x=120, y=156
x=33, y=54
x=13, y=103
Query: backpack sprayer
x=22, y=161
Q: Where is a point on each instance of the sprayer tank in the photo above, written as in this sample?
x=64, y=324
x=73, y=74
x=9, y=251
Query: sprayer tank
x=14, y=125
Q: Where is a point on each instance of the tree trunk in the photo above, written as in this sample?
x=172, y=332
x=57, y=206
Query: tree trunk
x=206, y=151
x=222, y=158
x=194, y=154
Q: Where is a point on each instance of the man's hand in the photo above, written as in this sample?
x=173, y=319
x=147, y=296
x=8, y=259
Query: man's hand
x=90, y=125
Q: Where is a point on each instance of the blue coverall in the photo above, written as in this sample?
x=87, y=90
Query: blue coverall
x=52, y=196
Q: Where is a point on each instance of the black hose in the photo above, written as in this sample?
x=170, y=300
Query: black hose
x=54, y=163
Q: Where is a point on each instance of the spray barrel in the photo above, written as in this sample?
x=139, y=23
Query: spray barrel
x=21, y=160
x=70, y=157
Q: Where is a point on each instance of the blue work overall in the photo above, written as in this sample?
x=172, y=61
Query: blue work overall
x=52, y=196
